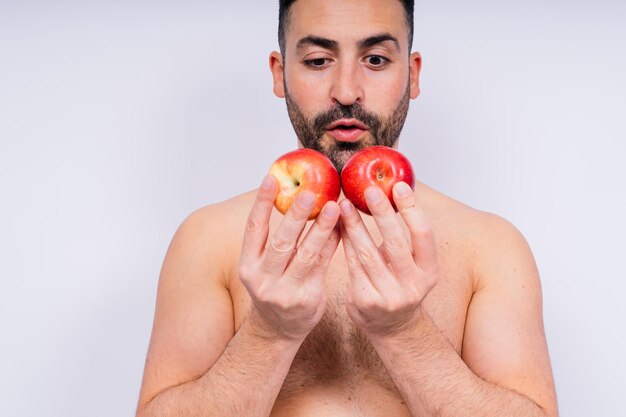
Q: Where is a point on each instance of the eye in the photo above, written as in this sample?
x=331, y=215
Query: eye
x=376, y=61
x=317, y=63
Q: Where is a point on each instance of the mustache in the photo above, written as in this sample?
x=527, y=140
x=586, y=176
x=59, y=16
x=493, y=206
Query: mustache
x=340, y=111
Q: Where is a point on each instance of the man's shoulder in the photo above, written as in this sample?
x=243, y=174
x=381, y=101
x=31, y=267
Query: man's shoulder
x=213, y=233
x=225, y=215
x=485, y=237
x=449, y=213
x=493, y=247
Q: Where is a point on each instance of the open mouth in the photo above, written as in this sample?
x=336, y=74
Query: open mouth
x=347, y=130
x=347, y=124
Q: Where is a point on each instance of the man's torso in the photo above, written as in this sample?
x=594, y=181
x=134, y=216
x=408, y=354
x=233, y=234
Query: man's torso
x=337, y=371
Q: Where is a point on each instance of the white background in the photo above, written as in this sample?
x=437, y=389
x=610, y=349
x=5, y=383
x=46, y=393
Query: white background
x=117, y=119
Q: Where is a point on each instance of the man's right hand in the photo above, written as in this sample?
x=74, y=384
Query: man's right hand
x=286, y=280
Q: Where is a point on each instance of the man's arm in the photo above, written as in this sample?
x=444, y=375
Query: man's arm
x=435, y=381
x=195, y=366
x=245, y=380
x=505, y=369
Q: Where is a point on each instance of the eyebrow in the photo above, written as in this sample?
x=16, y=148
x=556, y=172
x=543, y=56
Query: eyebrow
x=380, y=38
x=368, y=42
x=312, y=40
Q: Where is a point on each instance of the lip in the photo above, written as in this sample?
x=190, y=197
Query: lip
x=347, y=122
x=357, y=129
x=347, y=135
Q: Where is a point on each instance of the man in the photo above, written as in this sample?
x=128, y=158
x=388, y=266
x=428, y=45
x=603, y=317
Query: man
x=432, y=311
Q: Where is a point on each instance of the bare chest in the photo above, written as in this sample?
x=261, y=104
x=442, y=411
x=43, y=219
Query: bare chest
x=337, y=353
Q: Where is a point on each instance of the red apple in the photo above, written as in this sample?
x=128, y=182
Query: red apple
x=305, y=169
x=376, y=165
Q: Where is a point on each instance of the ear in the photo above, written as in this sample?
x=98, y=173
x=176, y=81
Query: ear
x=415, y=66
x=278, y=74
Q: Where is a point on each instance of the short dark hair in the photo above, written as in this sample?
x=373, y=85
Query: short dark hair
x=283, y=16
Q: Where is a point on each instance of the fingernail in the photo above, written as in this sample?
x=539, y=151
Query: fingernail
x=346, y=207
x=307, y=199
x=267, y=182
x=330, y=211
x=373, y=194
x=403, y=189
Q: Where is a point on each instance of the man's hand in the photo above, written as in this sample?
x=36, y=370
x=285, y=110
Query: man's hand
x=388, y=283
x=284, y=279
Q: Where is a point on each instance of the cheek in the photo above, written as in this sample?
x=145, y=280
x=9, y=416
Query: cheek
x=309, y=92
x=384, y=93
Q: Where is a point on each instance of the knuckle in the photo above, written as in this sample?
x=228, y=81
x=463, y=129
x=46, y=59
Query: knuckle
x=321, y=259
x=289, y=304
x=395, y=243
x=324, y=225
x=368, y=305
x=325, y=256
x=328, y=215
x=306, y=256
x=424, y=230
x=367, y=255
x=370, y=261
x=392, y=307
x=413, y=296
x=254, y=225
x=248, y=274
x=430, y=269
x=397, y=304
x=350, y=220
x=298, y=213
x=406, y=205
x=386, y=213
x=264, y=297
x=281, y=244
x=283, y=305
x=244, y=272
x=353, y=262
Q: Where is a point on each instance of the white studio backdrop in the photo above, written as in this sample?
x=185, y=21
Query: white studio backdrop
x=118, y=119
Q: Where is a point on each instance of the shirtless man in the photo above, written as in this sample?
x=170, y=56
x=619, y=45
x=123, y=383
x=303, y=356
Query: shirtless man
x=432, y=311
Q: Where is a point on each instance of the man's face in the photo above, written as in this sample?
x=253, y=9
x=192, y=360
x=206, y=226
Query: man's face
x=346, y=75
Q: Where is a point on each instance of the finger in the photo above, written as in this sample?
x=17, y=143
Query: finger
x=396, y=246
x=257, y=226
x=364, y=247
x=422, y=236
x=319, y=270
x=282, y=244
x=309, y=250
x=383, y=253
x=362, y=286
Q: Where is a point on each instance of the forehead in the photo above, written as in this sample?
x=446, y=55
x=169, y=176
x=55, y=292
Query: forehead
x=346, y=20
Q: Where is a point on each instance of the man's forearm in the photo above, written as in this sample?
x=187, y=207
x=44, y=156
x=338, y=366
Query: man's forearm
x=434, y=380
x=245, y=381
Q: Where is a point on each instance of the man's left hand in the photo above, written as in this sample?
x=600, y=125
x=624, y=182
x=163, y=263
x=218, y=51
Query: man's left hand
x=388, y=283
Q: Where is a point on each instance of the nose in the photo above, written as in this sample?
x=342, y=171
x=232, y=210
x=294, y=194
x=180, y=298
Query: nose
x=347, y=88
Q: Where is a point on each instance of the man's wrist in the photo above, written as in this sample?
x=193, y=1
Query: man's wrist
x=258, y=328
x=408, y=331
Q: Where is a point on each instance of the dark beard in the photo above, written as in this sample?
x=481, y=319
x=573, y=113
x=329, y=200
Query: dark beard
x=381, y=131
